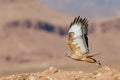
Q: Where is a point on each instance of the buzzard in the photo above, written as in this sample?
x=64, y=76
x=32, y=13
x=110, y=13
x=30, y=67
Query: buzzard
x=78, y=41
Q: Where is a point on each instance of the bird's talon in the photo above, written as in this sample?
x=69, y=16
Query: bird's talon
x=99, y=64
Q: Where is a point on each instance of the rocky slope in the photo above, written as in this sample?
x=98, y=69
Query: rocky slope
x=104, y=73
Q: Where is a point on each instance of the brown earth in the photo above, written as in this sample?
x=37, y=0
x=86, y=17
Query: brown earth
x=104, y=73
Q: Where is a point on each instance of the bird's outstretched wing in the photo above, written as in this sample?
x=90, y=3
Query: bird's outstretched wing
x=79, y=30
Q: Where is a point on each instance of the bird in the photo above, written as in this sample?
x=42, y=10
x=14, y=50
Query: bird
x=78, y=41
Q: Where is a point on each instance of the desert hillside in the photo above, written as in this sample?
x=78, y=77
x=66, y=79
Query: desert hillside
x=104, y=73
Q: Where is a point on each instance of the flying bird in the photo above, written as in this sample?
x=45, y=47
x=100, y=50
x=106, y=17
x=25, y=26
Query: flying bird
x=78, y=41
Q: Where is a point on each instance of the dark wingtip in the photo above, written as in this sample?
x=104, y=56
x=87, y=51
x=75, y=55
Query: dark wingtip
x=80, y=20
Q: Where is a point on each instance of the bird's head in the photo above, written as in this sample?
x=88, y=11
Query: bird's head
x=68, y=55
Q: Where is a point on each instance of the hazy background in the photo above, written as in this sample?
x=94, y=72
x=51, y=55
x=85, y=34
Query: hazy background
x=93, y=9
x=33, y=34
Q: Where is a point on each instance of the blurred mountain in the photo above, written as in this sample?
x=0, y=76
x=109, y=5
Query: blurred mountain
x=91, y=9
x=28, y=32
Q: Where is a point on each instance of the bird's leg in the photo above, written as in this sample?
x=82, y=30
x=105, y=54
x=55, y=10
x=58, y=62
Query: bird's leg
x=98, y=64
x=92, y=60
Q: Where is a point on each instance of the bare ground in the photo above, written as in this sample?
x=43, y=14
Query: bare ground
x=104, y=73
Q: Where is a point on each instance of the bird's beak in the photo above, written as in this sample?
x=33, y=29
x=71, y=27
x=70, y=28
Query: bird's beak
x=67, y=54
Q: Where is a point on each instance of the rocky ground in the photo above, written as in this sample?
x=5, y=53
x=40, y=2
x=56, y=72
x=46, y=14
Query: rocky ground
x=104, y=73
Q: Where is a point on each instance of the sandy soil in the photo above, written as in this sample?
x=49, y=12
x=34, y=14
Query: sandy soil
x=104, y=73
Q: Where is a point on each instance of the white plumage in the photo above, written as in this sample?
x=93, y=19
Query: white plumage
x=78, y=36
x=79, y=30
x=76, y=29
